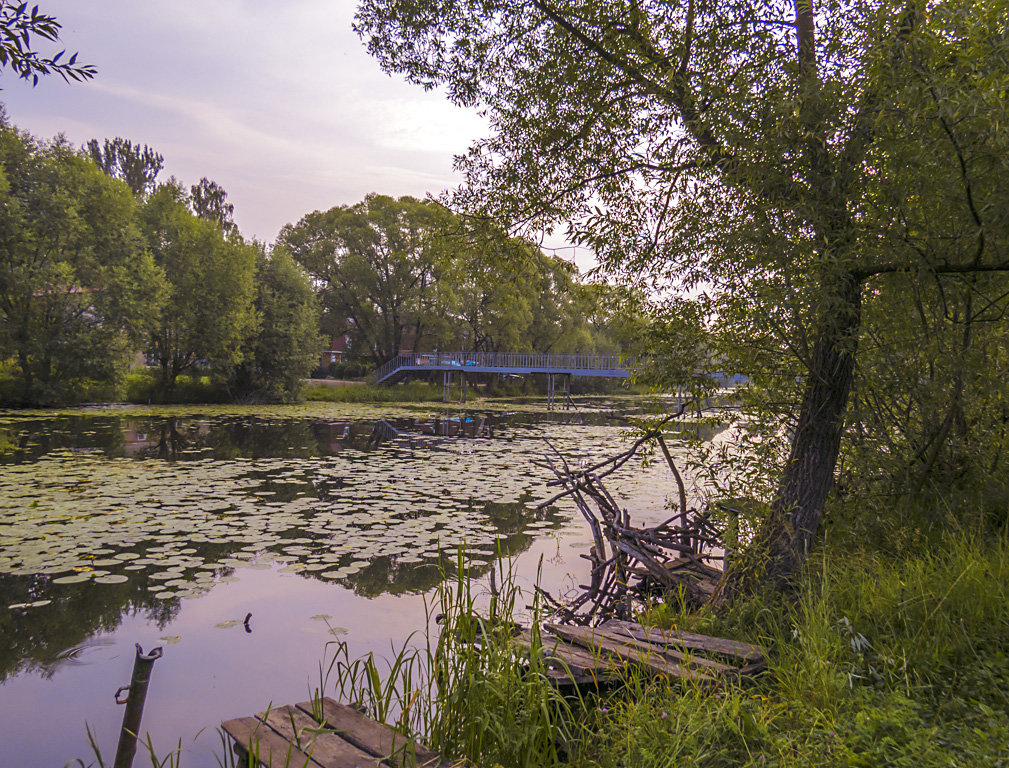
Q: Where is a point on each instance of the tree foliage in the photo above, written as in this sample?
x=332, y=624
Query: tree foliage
x=285, y=347
x=410, y=275
x=208, y=305
x=20, y=27
x=78, y=291
x=120, y=158
x=776, y=155
x=209, y=201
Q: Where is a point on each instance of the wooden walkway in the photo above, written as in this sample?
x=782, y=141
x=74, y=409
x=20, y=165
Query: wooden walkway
x=584, y=656
x=291, y=737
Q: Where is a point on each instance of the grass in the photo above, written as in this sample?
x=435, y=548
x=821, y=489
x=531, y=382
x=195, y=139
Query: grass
x=143, y=387
x=873, y=661
x=409, y=392
x=465, y=690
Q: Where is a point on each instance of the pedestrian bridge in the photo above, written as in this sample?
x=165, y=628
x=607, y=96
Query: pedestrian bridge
x=609, y=366
x=565, y=366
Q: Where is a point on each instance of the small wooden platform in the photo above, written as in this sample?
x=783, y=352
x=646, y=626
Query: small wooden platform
x=584, y=656
x=291, y=737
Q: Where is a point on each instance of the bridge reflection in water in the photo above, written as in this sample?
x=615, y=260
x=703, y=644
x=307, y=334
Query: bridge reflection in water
x=564, y=365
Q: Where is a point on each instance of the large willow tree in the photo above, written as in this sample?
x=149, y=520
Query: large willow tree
x=784, y=156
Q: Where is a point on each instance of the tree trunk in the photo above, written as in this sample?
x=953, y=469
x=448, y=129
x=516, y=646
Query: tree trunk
x=786, y=536
x=809, y=473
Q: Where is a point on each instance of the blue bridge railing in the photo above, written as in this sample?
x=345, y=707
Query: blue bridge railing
x=497, y=362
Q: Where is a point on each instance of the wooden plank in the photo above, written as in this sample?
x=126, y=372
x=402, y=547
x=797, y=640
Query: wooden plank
x=582, y=667
x=562, y=678
x=326, y=747
x=576, y=657
x=377, y=739
x=270, y=748
x=653, y=661
x=622, y=635
x=690, y=641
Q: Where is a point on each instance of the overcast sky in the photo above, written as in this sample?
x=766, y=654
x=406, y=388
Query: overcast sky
x=276, y=101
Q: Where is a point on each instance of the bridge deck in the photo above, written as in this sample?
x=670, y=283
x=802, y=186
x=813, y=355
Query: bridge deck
x=609, y=366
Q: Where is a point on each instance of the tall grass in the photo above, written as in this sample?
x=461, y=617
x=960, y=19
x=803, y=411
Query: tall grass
x=873, y=661
x=465, y=689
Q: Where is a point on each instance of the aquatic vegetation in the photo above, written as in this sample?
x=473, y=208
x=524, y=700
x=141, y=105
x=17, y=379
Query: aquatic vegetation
x=162, y=504
x=126, y=516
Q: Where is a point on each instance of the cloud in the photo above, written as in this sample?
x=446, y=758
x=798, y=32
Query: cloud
x=278, y=102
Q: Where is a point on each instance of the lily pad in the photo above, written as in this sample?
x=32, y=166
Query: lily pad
x=112, y=578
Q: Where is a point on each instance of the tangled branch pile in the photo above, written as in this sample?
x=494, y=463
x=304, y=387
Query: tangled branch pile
x=631, y=563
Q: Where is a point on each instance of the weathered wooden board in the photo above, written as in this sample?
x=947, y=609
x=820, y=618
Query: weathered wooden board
x=581, y=656
x=746, y=652
x=323, y=745
x=291, y=737
x=625, y=637
x=636, y=653
x=568, y=664
x=373, y=737
x=254, y=737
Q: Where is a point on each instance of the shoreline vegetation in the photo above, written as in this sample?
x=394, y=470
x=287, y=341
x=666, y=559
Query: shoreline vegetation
x=143, y=388
x=877, y=658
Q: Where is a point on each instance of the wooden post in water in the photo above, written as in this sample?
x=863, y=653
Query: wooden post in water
x=136, y=693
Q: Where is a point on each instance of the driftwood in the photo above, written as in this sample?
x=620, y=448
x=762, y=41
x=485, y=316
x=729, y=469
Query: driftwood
x=631, y=563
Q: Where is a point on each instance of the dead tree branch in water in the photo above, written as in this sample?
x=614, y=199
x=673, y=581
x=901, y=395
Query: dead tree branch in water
x=631, y=563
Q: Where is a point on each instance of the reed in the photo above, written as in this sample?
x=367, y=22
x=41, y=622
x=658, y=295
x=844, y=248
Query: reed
x=463, y=688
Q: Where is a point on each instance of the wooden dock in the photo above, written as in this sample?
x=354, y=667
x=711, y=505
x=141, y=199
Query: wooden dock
x=584, y=656
x=292, y=737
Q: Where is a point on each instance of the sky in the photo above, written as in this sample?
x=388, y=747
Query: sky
x=278, y=102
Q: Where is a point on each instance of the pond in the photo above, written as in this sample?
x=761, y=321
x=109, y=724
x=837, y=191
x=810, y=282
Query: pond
x=168, y=526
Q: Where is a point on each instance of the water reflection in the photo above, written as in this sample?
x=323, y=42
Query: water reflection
x=129, y=526
x=41, y=638
x=45, y=638
x=179, y=438
x=94, y=539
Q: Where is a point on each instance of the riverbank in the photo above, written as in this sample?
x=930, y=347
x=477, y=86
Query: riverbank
x=875, y=660
x=878, y=660
x=142, y=387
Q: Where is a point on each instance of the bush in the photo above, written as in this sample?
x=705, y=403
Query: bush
x=144, y=387
x=349, y=369
x=410, y=392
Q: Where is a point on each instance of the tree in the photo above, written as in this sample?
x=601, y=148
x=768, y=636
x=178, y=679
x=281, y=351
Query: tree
x=78, y=291
x=120, y=158
x=407, y=274
x=374, y=264
x=285, y=346
x=18, y=26
x=208, y=307
x=745, y=146
x=210, y=201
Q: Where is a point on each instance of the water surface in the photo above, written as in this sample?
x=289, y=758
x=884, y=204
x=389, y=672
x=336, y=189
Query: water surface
x=167, y=526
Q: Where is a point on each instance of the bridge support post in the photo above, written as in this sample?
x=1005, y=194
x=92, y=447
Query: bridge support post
x=446, y=385
x=462, y=387
x=550, y=391
x=567, y=391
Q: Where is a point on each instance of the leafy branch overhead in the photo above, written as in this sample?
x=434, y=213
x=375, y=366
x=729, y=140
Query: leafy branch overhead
x=814, y=168
x=20, y=27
